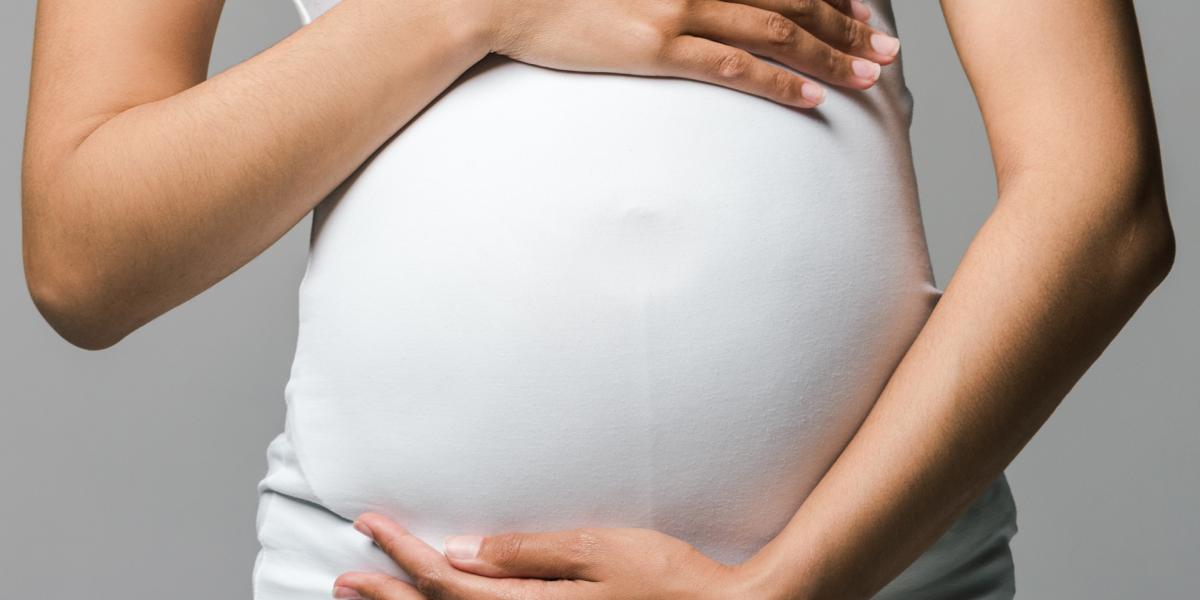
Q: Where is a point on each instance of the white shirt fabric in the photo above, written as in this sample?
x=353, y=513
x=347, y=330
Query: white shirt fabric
x=559, y=299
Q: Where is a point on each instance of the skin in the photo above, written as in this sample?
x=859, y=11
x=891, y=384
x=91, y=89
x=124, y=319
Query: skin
x=144, y=183
x=129, y=209
x=1079, y=237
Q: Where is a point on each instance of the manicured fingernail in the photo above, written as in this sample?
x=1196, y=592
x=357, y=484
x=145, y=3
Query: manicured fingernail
x=861, y=11
x=345, y=593
x=363, y=529
x=866, y=69
x=812, y=92
x=463, y=546
x=885, y=44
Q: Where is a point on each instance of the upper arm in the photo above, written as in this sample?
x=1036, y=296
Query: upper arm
x=1062, y=88
x=92, y=60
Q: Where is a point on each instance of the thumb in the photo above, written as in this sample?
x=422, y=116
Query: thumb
x=570, y=554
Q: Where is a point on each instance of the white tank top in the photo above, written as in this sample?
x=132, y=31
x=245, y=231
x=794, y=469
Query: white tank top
x=559, y=299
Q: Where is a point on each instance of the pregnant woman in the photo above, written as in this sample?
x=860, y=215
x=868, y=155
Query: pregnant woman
x=611, y=299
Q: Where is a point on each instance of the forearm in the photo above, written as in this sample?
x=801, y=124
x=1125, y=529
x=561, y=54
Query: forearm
x=159, y=201
x=1046, y=284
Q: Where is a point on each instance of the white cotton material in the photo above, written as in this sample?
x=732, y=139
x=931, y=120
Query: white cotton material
x=559, y=299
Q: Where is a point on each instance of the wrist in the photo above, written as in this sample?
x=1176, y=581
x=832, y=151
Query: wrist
x=471, y=25
x=755, y=580
x=760, y=578
x=481, y=23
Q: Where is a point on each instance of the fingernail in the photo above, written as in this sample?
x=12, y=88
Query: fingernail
x=463, y=546
x=812, y=92
x=866, y=69
x=885, y=44
x=345, y=593
x=861, y=11
x=363, y=529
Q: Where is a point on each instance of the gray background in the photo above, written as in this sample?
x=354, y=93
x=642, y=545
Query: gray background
x=131, y=472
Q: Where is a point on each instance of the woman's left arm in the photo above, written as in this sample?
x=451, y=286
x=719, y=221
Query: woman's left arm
x=1079, y=237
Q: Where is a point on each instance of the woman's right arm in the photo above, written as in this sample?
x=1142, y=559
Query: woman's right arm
x=144, y=183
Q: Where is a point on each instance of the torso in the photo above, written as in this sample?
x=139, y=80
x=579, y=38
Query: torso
x=560, y=299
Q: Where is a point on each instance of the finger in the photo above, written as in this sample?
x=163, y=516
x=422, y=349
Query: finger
x=436, y=579
x=373, y=586
x=833, y=27
x=773, y=35
x=713, y=62
x=431, y=573
x=570, y=554
x=488, y=588
x=853, y=8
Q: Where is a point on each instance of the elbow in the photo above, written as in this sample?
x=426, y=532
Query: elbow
x=1146, y=250
x=65, y=276
x=71, y=301
x=62, y=276
x=1160, y=253
x=1163, y=245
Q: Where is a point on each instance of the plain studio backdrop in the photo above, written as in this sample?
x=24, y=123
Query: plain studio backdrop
x=131, y=472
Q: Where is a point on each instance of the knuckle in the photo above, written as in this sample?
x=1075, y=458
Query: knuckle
x=431, y=583
x=588, y=536
x=841, y=5
x=391, y=543
x=832, y=61
x=687, y=7
x=672, y=17
x=781, y=30
x=663, y=50
x=854, y=35
x=379, y=586
x=658, y=30
x=805, y=8
x=584, y=547
x=783, y=85
x=504, y=549
x=388, y=543
x=664, y=58
x=732, y=65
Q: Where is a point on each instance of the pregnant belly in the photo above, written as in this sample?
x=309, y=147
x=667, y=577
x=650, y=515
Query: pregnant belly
x=561, y=299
